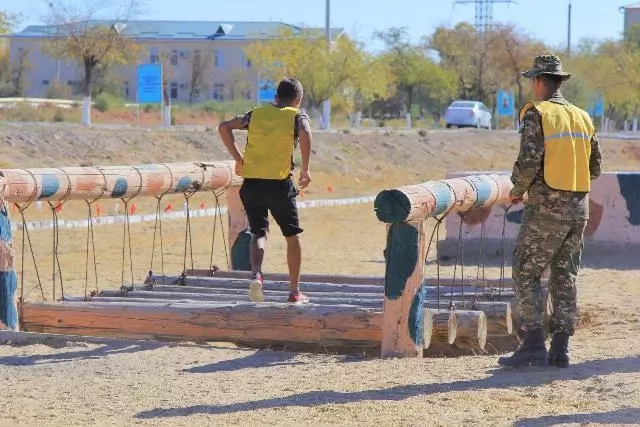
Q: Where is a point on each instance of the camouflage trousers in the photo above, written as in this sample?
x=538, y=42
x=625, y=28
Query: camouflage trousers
x=542, y=242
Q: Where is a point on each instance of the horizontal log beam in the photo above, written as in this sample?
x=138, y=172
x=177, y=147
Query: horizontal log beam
x=175, y=283
x=434, y=198
x=106, y=182
x=243, y=323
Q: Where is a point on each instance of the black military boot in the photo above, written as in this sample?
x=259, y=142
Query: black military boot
x=559, y=350
x=532, y=351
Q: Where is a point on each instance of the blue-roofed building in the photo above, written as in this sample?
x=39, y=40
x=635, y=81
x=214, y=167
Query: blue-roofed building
x=229, y=73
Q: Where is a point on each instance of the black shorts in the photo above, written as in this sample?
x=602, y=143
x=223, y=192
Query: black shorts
x=261, y=196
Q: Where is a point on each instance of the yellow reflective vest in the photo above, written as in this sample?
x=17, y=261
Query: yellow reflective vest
x=270, y=144
x=568, y=131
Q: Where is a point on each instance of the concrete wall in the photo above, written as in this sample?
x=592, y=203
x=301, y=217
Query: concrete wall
x=614, y=223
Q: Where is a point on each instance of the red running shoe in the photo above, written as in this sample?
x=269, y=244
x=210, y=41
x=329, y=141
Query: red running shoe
x=297, y=298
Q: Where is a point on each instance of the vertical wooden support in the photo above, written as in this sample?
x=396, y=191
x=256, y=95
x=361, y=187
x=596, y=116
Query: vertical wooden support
x=8, y=279
x=402, y=330
x=239, y=237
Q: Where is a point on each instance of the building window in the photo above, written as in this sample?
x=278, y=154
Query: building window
x=154, y=59
x=218, y=92
x=125, y=90
x=45, y=82
x=248, y=94
x=174, y=58
x=218, y=60
x=197, y=57
x=173, y=91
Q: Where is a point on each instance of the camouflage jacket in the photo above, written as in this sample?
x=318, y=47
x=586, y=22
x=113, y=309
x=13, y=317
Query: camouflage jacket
x=528, y=173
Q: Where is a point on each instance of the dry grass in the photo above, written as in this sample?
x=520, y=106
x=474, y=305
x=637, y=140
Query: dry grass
x=125, y=383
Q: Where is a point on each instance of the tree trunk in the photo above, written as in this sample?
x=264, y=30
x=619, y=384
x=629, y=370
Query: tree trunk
x=520, y=91
x=89, y=66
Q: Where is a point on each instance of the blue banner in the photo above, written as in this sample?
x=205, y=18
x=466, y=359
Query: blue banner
x=596, y=107
x=505, y=104
x=266, y=91
x=149, y=84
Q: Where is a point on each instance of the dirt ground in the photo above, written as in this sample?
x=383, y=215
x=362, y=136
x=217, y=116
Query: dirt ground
x=124, y=383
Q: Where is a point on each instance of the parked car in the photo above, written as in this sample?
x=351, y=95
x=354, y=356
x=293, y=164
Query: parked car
x=468, y=114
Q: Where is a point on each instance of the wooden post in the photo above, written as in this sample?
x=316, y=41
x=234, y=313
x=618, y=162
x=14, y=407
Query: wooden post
x=239, y=237
x=8, y=279
x=402, y=330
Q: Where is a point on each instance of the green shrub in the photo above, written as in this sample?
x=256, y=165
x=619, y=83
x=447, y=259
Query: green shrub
x=151, y=108
x=106, y=101
x=59, y=116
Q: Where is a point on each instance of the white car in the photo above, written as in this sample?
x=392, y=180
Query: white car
x=468, y=114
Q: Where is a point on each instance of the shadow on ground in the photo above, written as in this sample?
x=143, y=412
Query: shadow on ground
x=104, y=350
x=258, y=359
x=629, y=416
x=499, y=378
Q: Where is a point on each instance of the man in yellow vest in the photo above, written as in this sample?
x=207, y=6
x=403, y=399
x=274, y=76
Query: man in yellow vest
x=559, y=157
x=267, y=168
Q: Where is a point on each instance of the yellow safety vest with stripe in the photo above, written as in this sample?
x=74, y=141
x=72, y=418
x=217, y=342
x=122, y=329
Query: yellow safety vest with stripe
x=270, y=144
x=568, y=131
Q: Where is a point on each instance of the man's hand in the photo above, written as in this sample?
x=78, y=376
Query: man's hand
x=304, y=180
x=238, y=168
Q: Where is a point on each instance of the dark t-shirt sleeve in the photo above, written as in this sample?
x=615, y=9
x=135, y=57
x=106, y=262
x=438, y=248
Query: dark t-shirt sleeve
x=244, y=120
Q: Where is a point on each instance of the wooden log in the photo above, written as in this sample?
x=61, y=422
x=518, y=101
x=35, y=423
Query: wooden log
x=314, y=278
x=445, y=328
x=103, y=182
x=403, y=290
x=241, y=323
x=213, y=282
x=498, y=314
x=445, y=282
x=421, y=201
x=471, y=330
x=8, y=279
x=427, y=327
x=325, y=298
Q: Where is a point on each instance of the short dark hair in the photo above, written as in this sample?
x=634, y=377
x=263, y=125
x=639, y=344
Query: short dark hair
x=551, y=81
x=289, y=90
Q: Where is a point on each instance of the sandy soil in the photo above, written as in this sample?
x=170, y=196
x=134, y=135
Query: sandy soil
x=125, y=383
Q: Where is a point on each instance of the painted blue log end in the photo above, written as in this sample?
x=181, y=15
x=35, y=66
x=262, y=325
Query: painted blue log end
x=8, y=280
x=240, y=252
x=402, y=258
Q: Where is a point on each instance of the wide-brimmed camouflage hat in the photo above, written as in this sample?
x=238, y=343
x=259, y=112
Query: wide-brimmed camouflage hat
x=546, y=64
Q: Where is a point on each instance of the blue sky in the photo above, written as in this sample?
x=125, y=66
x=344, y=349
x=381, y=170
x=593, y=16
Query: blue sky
x=544, y=19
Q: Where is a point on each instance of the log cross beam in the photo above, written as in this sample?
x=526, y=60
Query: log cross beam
x=26, y=186
x=406, y=210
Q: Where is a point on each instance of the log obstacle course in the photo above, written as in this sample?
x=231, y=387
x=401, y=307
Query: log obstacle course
x=400, y=314
x=406, y=210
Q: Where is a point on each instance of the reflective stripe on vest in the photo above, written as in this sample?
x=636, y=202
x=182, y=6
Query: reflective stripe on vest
x=567, y=145
x=270, y=142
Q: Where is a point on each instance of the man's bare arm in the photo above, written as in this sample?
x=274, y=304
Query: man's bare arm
x=305, y=139
x=225, y=130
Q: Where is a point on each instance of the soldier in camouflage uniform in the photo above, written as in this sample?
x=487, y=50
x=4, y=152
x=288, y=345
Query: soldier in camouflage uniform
x=554, y=219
